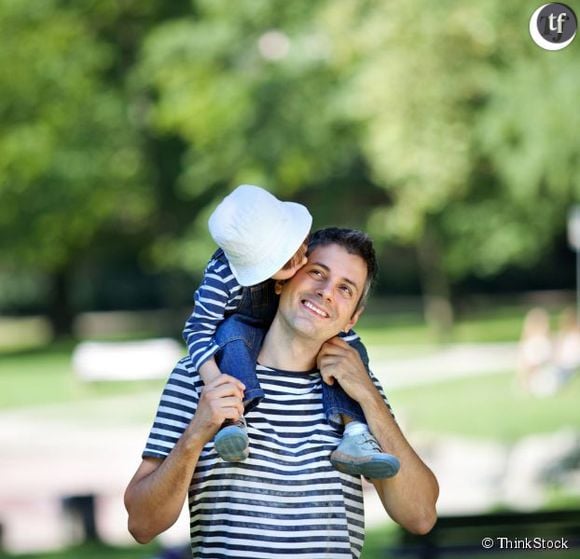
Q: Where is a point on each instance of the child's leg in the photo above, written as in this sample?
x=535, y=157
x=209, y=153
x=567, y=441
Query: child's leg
x=240, y=344
x=358, y=453
x=337, y=404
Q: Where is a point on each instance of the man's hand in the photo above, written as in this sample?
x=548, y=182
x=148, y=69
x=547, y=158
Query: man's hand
x=221, y=399
x=339, y=361
x=155, y=495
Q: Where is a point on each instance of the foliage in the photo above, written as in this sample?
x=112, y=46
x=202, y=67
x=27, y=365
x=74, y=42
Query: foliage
x=467, y=124
x=440, y=126
x=248, y=88
x=68, y=158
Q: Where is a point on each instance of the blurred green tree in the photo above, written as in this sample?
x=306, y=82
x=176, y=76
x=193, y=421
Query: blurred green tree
x=72, y=162
x=468, y=125
x=439, y=126
x=249, y=88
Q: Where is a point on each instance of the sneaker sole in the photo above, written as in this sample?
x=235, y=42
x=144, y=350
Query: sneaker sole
x=376, y=468
x=231, y=444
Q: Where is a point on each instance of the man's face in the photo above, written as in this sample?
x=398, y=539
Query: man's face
x=320, y=300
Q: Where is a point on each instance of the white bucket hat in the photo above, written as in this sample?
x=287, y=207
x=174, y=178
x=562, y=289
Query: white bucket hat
x=257, y=232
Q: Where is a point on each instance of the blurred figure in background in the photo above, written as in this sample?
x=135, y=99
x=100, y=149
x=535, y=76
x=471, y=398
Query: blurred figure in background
x=535, y=349
x=547, y=361
x=567, y=346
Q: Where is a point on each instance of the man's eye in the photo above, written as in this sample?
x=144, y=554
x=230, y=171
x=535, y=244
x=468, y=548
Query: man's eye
x=346, y=290
x=316, y=273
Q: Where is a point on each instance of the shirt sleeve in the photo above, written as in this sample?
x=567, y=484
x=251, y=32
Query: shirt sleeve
x=218, y=293
x=176, y=408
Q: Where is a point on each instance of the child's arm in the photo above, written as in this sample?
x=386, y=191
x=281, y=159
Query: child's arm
x=209, y=370
x=218, y=292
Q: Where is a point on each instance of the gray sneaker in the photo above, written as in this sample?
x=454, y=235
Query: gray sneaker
x=231, y=441
x=361, y=455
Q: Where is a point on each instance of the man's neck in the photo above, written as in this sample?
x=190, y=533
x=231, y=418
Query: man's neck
x=284, y=349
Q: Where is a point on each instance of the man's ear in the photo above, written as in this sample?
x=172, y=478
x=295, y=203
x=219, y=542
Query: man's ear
x=278, y=286
x=353, y=319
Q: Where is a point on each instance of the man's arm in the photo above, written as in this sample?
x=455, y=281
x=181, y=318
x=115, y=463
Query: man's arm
x=155, y=496
x=409, y=497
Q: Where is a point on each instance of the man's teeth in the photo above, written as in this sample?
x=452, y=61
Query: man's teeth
x=315, y=309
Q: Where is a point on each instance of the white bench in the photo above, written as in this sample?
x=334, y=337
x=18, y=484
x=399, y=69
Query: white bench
x=135, y=360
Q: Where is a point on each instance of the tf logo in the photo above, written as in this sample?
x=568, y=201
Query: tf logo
x=553, y=26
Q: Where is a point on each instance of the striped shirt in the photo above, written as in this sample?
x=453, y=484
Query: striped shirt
x=286, y=499
x=218, y=294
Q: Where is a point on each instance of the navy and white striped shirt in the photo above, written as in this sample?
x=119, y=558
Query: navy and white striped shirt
x=219, y=294
x=286, y=499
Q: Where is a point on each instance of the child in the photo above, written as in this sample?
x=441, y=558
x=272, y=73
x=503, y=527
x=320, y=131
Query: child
x=263, y=240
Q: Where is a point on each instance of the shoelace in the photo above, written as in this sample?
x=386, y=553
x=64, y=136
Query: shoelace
x=371, y=443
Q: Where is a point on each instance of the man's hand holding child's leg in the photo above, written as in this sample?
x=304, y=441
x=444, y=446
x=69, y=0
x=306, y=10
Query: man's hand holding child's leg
x=231, y=441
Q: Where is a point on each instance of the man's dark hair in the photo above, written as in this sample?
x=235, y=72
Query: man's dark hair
x=354, y=242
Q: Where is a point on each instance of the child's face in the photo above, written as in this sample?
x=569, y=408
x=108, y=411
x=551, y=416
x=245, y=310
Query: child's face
x=293, y=265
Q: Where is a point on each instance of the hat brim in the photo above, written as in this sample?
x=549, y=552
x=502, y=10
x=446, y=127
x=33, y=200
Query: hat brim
x=296, y=226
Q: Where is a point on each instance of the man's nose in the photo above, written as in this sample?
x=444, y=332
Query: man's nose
x=324, y=291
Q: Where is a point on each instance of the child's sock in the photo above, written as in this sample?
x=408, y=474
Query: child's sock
x=355, y=428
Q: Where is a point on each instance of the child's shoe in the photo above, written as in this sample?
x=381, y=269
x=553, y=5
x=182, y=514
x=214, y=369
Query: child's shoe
x=360, y=454
x=231, y=442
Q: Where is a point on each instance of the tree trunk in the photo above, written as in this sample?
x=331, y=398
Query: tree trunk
x=436, y=291
x=60, y=313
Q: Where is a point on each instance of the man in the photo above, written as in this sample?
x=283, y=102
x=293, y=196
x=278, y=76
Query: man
x=286, y=498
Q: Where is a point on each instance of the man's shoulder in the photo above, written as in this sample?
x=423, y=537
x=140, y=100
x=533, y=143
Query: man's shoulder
x=184, y=378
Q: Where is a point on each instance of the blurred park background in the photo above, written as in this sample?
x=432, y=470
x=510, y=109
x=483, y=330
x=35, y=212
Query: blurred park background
x=438, y=127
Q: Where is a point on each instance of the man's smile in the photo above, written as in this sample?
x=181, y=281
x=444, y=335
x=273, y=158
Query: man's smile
x=314, y=309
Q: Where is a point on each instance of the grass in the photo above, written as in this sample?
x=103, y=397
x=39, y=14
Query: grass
x=41, y=376
x=36, y=375
x=496, y=324
x=44, y=375
x=487, y=407
x=490, y=407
